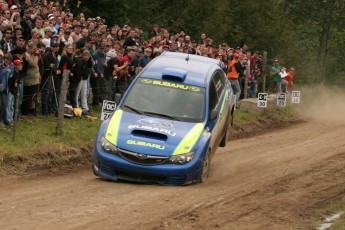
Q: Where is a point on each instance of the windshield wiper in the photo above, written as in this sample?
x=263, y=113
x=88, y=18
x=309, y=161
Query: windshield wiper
x=162, y=115
x=133, y=109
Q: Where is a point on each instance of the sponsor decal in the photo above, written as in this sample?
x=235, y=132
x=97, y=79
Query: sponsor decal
x=146, y=81
x=154, y=129
x=171, y=85
x=156, y=123
x=145, y=144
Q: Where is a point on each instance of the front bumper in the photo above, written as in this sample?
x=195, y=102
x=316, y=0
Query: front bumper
x=114, y=168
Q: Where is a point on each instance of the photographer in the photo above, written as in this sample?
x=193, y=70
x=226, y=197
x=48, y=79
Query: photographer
x=49, y=93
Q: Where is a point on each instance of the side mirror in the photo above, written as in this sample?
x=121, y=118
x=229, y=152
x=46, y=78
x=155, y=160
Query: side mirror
x=213, y=114
x=118, y=98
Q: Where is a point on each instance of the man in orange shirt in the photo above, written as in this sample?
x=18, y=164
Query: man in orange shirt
x=289, y=78
x=233, y=74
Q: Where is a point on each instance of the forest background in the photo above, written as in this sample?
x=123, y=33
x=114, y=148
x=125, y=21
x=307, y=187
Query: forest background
x=307, y=34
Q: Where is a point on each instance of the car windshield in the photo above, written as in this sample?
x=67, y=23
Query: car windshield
x=166, y=99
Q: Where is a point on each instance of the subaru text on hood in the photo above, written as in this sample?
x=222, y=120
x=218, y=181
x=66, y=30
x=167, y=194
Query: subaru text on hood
x=169, y=123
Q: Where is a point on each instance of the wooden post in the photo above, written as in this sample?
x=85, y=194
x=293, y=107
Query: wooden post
x=63, y=94
x=264, y=63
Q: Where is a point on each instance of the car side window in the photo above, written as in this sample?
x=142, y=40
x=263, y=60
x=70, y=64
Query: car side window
x=219, y=82
x=213, y=96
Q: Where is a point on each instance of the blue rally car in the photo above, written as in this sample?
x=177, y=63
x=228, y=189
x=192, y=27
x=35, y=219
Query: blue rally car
x=169, y=123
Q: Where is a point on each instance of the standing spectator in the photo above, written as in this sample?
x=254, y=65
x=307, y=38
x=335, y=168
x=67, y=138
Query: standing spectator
x=13, y=85
x=253, y=60
x=280, y=84
x=18, y=33
x=82, y=41
x=50, y=94
x=76, y=34
x=289, y=78
x=39, y=26
x=6, y=43
x=253, y=82
x=173, y=47
x=110, y=51
x=129, y=70
x=154, y=31
x=7, y=16
x=234, y=67
x=78, y=82
x=110, y=73
x=66, y=39
x=130, y=40
x=98, y=83
x=48, y=33
x=145, y=58
x=83, y=68
x=31, y=80
x=133, y=66
x=202, y=40
x=26, y=24
x=6, y=71
x=19, y=53
x=122, y=74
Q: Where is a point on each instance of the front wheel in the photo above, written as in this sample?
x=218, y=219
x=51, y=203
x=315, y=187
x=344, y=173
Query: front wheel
x=226, y=136
x=205, y=167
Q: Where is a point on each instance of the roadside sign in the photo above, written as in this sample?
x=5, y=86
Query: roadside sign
x=281, y=99
x=107, y=109
x=296, y=97
x=262, y=100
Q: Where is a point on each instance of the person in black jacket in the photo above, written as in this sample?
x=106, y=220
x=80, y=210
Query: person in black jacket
x=27, y=24
x=78, y=82
x=13, y=85
x=49, y=84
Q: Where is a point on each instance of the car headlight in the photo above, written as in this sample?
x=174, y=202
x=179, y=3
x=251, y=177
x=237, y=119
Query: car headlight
x=182, y=159
x=109, y=147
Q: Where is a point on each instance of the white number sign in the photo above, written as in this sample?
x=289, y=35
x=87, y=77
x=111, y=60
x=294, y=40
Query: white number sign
x=107, y=109
x=281, y=100
x=296, y=97
x=262, y=100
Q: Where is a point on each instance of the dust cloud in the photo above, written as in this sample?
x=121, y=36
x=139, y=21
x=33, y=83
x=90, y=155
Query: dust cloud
x=323, y=103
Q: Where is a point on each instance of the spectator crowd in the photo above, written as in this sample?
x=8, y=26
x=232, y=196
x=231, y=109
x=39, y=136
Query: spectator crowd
x=40, y=40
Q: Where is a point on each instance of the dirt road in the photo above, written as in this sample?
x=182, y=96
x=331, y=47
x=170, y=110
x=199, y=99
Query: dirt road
x=280, y=180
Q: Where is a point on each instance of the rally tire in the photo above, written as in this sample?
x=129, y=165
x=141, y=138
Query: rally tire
x=226, y=136
x=205, y=168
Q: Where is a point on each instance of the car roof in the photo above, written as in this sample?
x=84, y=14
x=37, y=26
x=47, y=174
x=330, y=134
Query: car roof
x=197, y=69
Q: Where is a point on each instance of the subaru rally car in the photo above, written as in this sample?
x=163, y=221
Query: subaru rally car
x=168, y=124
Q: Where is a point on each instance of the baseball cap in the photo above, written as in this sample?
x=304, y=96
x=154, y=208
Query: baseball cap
x=17, y=62
x=20, y=37
x=14, y=7
x=54, y=43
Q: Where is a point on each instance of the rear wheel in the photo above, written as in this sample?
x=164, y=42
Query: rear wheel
x=205, y=168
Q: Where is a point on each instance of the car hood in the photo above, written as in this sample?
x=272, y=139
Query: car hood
x=152, y=135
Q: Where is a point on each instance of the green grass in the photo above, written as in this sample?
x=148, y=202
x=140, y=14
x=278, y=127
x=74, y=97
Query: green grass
x=336, y=208
x=244, y=115
x=39, y=134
